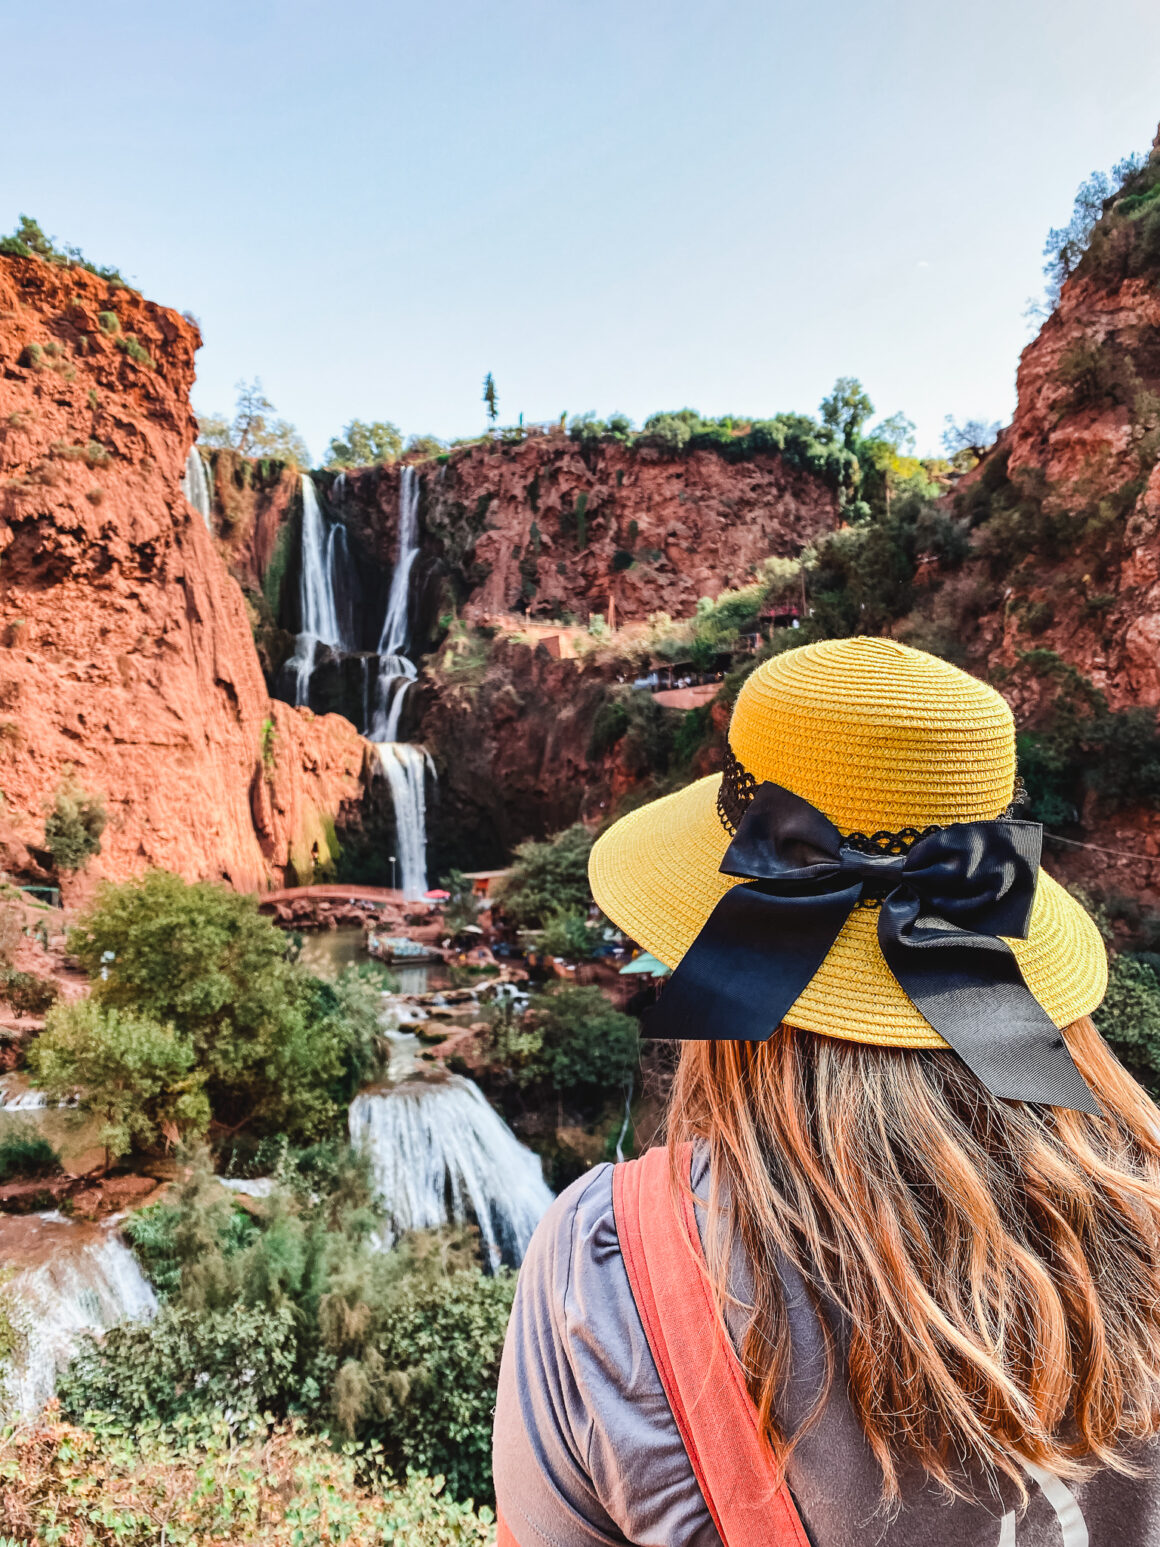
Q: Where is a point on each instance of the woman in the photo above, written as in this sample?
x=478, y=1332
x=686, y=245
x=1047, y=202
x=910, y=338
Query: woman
x=898, y=1278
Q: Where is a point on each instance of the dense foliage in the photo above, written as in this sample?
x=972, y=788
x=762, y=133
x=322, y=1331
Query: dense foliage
x=27, y=993
x=1114, y=230
x=190, y=1485
x=293, y=1314
x=137, y=1076
x=800, y=440
x=1080, y=748
x=360, y=444
x=572, y=1041
x=548, y=877
x=73, y=826
x=26, y=1153
x=254, y=431
x=274, y=1047
x=1129, y=1017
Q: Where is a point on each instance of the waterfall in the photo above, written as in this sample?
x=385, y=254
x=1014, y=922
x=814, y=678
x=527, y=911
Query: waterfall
x=406, y=769
x=87, y=1283
x=195, y=485
x=440, y=1154
x=319, y=612
x=393, y=640
x=396, y=671
x=325, y=559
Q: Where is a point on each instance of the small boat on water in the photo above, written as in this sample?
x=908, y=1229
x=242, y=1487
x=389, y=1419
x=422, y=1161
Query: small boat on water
x=400, y=950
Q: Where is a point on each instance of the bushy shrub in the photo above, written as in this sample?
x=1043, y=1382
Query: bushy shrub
x=27, y=993
x=567, y=935
x=1130, y=1019
x=237, y=1359
x=295, y=1314
x=1081, y=745
x=235, y=1486
x=26, y=1153
x=548, y=877
x=421, y=1379
x=132, y=346
x=73, y=827
x=572, y=1041
x=279, y=1049
x=133, y=1073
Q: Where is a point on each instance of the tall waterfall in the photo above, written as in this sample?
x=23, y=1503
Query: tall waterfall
x=195, y=485
x=396, y=671
x=87, y=1283
x=406, y=768
x=327, y=585
x=324, y=553
x=440, y=1154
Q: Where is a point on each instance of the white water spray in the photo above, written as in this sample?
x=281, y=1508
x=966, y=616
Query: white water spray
x=196, y=486
x=406, y=768
x=396, y=670
x=440, y=1155
x=393, y=640
x=319, y=612
x=84, y=1285
x=324, y=557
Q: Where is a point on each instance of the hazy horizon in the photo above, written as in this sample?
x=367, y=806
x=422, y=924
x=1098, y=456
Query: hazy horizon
x=621, y=207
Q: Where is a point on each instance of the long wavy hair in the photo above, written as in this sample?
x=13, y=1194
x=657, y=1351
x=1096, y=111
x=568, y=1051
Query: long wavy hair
x=990, y=1268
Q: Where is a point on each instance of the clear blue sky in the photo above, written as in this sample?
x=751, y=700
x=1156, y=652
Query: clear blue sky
x=615, y=204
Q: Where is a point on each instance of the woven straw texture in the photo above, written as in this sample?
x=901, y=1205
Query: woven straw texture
x=876, y=735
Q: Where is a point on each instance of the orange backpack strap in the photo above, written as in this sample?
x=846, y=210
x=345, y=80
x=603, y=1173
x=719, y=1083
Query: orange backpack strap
x=698, y=1366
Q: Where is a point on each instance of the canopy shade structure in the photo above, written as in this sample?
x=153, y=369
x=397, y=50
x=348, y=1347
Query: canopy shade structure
x=646, y=962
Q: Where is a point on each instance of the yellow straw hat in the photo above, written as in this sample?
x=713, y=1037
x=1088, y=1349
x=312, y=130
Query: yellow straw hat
x=878, y=737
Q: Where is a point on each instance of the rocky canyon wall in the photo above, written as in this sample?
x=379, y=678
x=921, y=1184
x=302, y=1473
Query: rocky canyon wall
x=544, y=525
x=126, y=654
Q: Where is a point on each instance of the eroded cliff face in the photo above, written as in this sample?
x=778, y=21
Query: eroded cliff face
x=1067, y=536
x=126, y=655
x=545, y=526
x=556, y=527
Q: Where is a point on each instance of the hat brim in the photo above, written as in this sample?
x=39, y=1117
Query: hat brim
x=656, y=875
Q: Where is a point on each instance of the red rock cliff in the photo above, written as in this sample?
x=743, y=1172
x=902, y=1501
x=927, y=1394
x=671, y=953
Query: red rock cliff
x=125, y=650
x=545, y=525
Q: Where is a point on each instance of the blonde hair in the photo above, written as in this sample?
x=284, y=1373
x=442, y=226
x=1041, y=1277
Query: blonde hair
x=996, y=1265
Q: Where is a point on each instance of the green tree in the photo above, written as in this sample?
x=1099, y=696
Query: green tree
x=970, y=440
x=361, y=444
x=1129, y=1018
x=424, y=446
x=73, y=826
x=574, y=1041
x=491, y=397
x=847, y=409
x=548, y=877
x=254, y=431
x=567, y=934
x=133, y=1073
x=280, y=1049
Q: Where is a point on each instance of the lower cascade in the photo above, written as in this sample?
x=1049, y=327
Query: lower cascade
x=406, y=768
x=440, y=1155
x=88, y=1281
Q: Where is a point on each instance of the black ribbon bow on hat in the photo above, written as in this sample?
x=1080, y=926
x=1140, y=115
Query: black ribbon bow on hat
x=944, y=904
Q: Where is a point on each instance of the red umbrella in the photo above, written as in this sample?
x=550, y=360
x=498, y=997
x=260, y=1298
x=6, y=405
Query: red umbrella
x=437, y=896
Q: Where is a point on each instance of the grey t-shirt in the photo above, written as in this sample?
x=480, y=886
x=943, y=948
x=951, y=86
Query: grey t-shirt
x=587, y=1450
